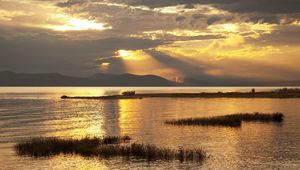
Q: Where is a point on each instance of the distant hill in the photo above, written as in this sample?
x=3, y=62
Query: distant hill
x=9, y=78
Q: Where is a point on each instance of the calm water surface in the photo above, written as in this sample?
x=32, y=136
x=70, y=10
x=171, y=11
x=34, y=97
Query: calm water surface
x=39, y=111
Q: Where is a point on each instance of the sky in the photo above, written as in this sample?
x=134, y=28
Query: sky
x=176, y=39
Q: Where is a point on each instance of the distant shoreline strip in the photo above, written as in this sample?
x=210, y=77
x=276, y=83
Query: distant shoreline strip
x=193, y=95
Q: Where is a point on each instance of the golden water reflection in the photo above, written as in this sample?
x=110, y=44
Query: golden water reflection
x=143, y=120
x=88, y=118
x=256, y=145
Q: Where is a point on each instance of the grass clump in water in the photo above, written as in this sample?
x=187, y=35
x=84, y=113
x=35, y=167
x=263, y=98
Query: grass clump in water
x=262, y=117
x=135, y=150
x=150, y=152
x=233, y=120
x=48, y=146
x=104, y=148
x=209, y=121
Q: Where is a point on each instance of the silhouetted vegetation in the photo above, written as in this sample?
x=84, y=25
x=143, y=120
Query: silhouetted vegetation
x=104, y=148
x=52, y=146
x=150, y=152
x=288, y=90
x=233, y=120
x=281, y=93
x=262, y=117
x=209, y=121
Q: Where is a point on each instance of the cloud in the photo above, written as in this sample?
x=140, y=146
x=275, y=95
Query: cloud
x=239, y=6
x=263, y=6
x=70, y=3
x=213, y=19
x=180, y=18
x=72, y=57
x=285, y=35
x=193, y=38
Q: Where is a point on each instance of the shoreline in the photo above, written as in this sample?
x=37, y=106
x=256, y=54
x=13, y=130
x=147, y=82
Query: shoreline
x=270, y=94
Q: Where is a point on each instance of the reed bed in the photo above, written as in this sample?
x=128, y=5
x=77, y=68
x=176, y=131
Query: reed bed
x=104, y=148
x=209, y=121
x=234, y=120
x=261, y=117
x=150, y=152
x=47, y=146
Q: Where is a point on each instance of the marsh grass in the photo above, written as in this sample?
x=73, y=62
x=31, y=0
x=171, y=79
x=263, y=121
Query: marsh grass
x=104, y=148
x=261, y=117
x=209, y=121
x=150, y=152
x=234, y=120
x=48, y=146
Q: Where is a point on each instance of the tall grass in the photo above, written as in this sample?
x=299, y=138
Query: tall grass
x=104, y=148
x=42, y=146
x=150, y=152
x=262, y=117
x=233, y=120
x=209, y=121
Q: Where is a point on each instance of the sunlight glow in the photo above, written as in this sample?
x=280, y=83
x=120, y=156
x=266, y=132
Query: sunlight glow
x=252, y=30
x=157, y=34
x=173, y=9
x=204, y=9
x=76, y=24
x=104, y=66
x=6, y=15
x=141, y=62
x=296, y=23
x=228, y=27
x=129, y=55
x=232, y=47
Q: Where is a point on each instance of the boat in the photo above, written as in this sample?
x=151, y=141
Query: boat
x=128, y=93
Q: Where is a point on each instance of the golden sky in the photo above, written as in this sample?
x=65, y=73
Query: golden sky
x=203, y=39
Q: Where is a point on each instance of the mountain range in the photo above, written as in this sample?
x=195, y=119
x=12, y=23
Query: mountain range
x=9, y=78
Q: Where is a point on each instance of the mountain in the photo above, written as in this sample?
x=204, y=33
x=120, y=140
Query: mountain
x=9, y=78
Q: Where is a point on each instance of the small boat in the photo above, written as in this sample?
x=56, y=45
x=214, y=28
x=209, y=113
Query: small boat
x=128, y=93
x=64, y=97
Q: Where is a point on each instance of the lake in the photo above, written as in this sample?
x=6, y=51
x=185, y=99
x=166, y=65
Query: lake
x=38, y=111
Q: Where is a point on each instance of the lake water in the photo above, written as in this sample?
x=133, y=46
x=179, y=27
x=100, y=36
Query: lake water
x=38, y=111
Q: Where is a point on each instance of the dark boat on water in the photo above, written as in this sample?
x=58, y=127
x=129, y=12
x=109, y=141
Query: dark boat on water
x=128, y=93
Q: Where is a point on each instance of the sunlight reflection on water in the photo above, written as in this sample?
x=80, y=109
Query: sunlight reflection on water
x=253, y=146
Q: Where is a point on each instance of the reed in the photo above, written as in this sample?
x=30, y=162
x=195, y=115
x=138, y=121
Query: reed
x=209, y=121
x=233, y=120
x=41, y=147
x=47, y=146
x=140, y=151
x=262, y=117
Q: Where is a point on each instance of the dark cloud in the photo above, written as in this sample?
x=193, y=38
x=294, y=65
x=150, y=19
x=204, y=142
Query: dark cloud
x=263, y=6
x=285, y=35
x=198, y=16
x=189, y=6
x=180, y=18
x=265, y=19
x=70, y=3
x=213, y=19
x=239, y=6
x=72, y=57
